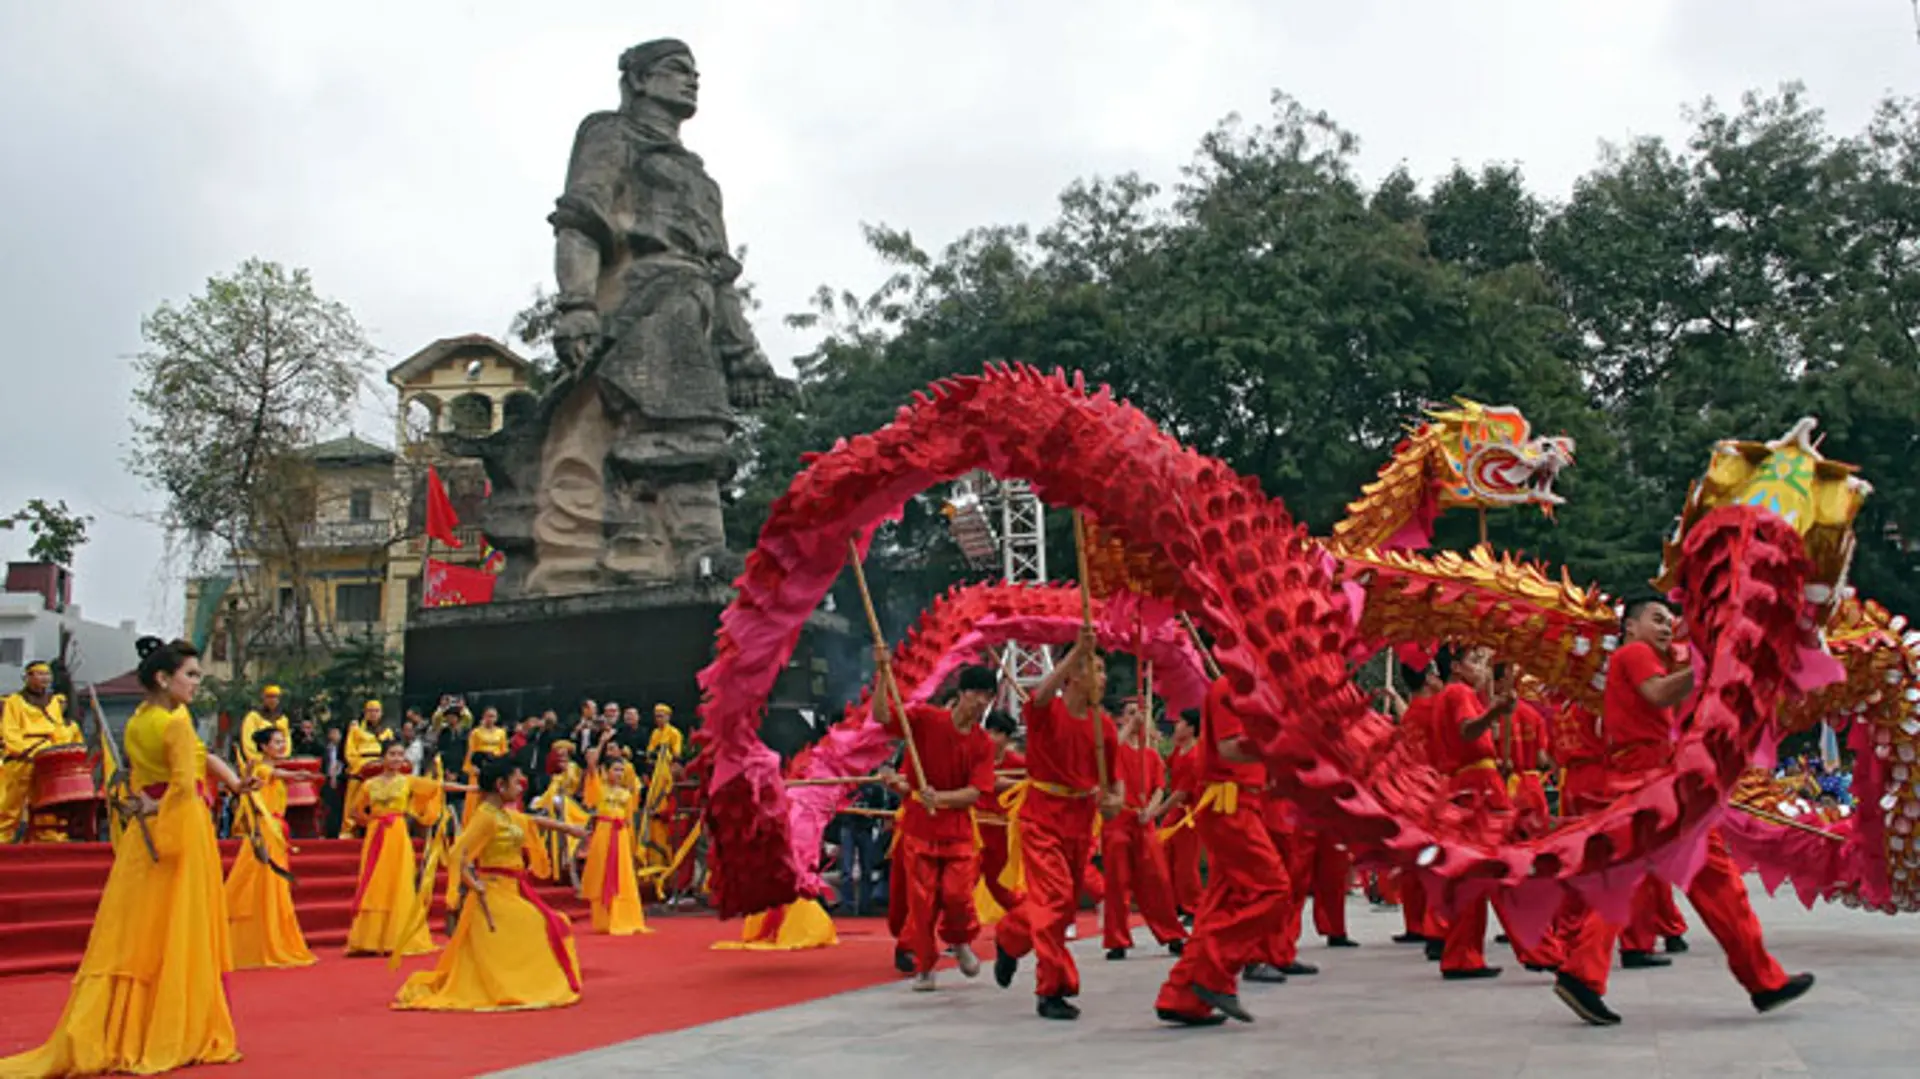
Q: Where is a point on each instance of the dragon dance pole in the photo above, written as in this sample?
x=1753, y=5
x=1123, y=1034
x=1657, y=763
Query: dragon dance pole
x=1086, y=622
x=887, y=686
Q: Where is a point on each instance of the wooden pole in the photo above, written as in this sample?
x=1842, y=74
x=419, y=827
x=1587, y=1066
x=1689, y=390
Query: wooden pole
x=1086, y=622
x=1483, y=526
x=1213, y=669
x=888, y=686
x=1775, y=818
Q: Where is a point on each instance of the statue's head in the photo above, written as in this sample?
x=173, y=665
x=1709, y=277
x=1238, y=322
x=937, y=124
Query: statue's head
x=661, y=71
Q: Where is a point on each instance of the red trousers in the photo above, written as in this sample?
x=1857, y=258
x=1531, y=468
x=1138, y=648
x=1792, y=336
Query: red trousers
x=1413, y=901
x=993, y=862
x=1183, y=864
x=1655, y=915
x=1719, y=896
x=1136, y=870
x=940, y=885
x=1332, y=873
x=1056, y=845
x=897, y=894
x=1243, y=907
x=1466, y=930
x=1296, y=858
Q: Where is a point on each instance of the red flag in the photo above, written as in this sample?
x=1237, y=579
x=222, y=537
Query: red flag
x=449, y=585
x=441, y=520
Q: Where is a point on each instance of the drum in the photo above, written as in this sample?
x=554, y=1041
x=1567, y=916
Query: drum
x=62, y=775
x=304, y=791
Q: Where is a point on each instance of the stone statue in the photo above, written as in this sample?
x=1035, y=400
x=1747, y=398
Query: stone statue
x=635, y=437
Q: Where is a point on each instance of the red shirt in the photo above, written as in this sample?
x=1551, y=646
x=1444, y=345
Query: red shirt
x=1528, y=736
x=954, y=761
x=1218, y=723
x=1416, y=727
x=1143, y=772
x=1576, y=739
x=1639, y=736
x=1454, y=706
x=1060, y=747
x=1183, y=773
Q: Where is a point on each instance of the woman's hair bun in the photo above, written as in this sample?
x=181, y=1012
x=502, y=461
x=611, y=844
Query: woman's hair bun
x=147, y=646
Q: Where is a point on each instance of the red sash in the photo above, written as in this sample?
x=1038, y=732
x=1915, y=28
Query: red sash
x=557, y=931
x=381, y=824
x=609, y=875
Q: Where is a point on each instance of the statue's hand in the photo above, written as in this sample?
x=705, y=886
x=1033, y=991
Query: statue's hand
x=576, y=337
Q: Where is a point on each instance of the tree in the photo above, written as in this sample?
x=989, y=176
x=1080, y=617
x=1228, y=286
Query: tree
x=58, y=533
x=232, y=386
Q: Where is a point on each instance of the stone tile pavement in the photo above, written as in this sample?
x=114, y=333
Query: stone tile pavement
x=1375, y=1011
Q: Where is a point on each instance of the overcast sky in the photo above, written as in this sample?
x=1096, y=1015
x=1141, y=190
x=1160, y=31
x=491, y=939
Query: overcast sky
x=407, y=153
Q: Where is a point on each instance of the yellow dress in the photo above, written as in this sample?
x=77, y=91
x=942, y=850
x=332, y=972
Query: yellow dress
x=608, y=881
x=385, y=903
x=150, y=996
x=561, y=801
x=491, y=741
x=515, y=954
x=25, y=729
x=363, y=748
x=260, y=916
x=668, y=738
x=253, y=724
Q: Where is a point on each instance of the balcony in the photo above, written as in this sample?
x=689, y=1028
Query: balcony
x=347, y=534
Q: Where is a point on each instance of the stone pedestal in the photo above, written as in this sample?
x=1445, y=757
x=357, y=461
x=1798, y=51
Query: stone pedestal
x=638, y=647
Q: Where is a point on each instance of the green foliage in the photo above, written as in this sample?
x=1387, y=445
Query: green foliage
x=361, y=669
x=58, y=532
x=1272, y=310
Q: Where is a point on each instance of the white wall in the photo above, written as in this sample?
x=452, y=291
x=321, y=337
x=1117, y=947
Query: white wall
x=99, y=651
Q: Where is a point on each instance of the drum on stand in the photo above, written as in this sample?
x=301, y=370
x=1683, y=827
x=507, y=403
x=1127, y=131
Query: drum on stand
x=63, y=788
x=305, y=814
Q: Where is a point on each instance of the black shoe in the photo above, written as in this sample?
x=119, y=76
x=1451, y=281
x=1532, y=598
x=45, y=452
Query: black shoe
x=1472, y=974
x=1409, y=938
x=1501, y=939
x=1168, y=1015
x=1342, y=942
x=1795, y=988
x=1177, y=947
x=1297, y=969
x=1265, y=974
x=1643, y=961
x=1436, y=950
x=1116, y=953
x=1535, y=968
x=903, y=960
x=1004, y=967
x=1056, y=1008
x=1586, y=1003
x=1677, y=946
x=1225, y=1003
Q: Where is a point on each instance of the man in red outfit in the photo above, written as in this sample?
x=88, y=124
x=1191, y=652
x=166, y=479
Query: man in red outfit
x=1279, y=956
x=1183, y=841
x=937, y=834
x=1416, y=727
x=1056, y=823
x=1463, y=720
x=1001, y=729
x=1332, y=880
x=1245, y=902
x=1136, y=867
x=1638, y=720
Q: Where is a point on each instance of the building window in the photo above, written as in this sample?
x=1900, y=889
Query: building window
x=13, y=651
x=357, y=603
x=360, y=504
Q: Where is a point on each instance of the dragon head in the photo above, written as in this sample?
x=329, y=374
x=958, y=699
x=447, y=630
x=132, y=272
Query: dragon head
x=1492, y=458
x=1790, y=477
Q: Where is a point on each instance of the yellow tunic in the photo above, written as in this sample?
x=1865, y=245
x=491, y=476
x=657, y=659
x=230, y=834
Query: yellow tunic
x=620, y=913
x=510, y=957
x=254, y=723
x=25, y=729
x=149, y=996
x=561, y=801
x=669, y=738
x=491, y=741
x=362, y=748
x=260, y=914
x=388, y=902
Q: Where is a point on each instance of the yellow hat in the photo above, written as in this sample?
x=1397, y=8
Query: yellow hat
x=38, y=667
x=270, y=691
x=375, y=705
x=659, y=708
x=565, y=744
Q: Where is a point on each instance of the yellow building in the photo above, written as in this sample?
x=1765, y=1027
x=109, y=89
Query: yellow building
x=360, y=541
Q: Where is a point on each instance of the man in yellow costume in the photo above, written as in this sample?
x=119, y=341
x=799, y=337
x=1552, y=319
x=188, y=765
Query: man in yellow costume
x=267, y=715
x=30, y=721
x=665, y=734
x=366, y=741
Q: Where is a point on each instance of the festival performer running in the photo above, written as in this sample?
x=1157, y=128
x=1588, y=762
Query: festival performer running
x=158, y=950
x=1524, y=756
x=1180, y=838
x=1416, y=726
x=1245, y=901
x=1463, y=719
x=365, y=738
x=1053, y=825
x=608, y=882
x=1000, y=879
x=1135, y=864
x=938, y=838
x=260, y=917
x=1643, y=687
x=509, y=951
x=30, y=721
x=487, y=739
x=261, y=718
x=1279, y=955
x=386, y=915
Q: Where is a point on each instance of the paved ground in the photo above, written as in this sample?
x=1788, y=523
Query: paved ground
x=1374, y=1011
